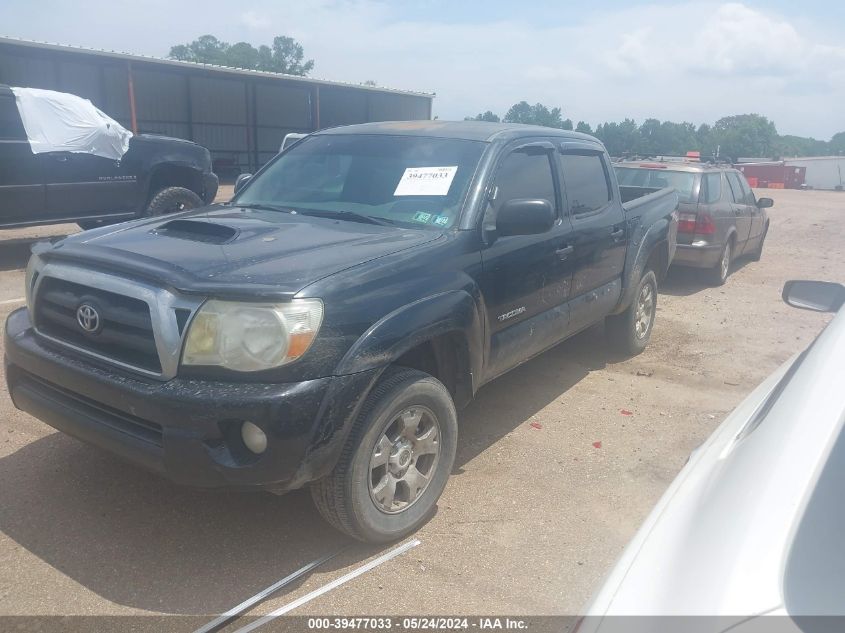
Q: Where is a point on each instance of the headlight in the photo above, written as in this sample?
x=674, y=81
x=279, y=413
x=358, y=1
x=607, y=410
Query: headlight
x=252, y=336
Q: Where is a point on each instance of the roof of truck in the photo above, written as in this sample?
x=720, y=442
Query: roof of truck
x=466, y=130
x=673, y=165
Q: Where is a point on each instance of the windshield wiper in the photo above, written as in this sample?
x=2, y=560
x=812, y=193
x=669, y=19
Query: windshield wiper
x=264, y=207
x=352, y=216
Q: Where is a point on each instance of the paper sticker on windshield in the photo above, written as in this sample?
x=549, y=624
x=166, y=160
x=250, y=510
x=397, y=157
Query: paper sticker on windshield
x=422, y=216
x=441, y=220
x=426, y=181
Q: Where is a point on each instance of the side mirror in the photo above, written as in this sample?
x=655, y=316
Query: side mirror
x=821, y=296
x=765, y=203
x=241, y=180
x=525, y=216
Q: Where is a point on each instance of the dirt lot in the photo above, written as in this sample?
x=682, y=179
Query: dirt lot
x=532, y=519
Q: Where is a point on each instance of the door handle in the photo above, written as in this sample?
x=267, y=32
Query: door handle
x=618, y=234
x=564, y=252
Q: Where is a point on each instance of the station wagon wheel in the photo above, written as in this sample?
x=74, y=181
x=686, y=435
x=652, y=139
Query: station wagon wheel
x=395, y=462
x=720, y=273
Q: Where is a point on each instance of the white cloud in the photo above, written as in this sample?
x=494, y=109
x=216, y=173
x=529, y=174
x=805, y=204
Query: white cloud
x=254, y=20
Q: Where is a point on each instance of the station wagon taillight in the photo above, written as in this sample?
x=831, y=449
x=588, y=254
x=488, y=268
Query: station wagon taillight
x=697, y=223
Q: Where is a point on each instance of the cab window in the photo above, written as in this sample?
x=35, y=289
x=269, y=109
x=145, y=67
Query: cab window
x=525, y=174
x=585, y=182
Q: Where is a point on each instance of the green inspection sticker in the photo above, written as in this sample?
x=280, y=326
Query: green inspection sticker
x=422, y=216
x=441, y=220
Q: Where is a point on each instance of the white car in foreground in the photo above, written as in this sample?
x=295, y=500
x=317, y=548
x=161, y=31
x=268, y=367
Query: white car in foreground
x=754, y=524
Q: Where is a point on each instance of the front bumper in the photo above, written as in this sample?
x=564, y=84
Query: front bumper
x=697, y=256
x=185, y=429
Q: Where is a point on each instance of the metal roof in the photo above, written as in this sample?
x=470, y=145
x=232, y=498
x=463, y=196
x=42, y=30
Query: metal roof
x=466, y=130
x=132, y=57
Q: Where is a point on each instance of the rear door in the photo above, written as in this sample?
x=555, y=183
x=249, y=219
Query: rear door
x=83, y=185
x=526, y=278
x=598, y=232
x=21, y=188
x=741, y=210
x=758, y=218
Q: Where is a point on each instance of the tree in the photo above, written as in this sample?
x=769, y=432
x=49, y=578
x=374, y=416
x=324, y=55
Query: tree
x=536, y=114
x=583, y=127
x=286, y=55
x=370, y=82
x=567, y=124
x=484, y=116
x=837, y=143
x=745, y=135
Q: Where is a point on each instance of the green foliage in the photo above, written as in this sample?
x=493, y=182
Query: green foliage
x=746, y=135
x=286, y=55
x=484, y=116
x=536, y=114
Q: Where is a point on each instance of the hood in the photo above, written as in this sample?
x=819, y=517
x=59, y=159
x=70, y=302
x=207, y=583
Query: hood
x=235, y=251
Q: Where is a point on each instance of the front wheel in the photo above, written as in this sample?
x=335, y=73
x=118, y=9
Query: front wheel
x=630, y=331
x=172, y=200
x=396, y=461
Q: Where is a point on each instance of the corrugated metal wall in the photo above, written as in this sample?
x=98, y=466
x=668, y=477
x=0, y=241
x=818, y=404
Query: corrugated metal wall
x=241, y=120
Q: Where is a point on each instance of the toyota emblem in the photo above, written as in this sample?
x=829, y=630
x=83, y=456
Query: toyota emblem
x=88, y=318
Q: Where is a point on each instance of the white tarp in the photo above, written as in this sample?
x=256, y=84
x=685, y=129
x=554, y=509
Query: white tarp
x=62, y=122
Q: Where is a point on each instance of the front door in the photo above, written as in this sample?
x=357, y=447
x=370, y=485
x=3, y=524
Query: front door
x=741, y=210
x=21, y=188
x=599, y=234
x=758, y=220
x=526, y=278
x=83, y=185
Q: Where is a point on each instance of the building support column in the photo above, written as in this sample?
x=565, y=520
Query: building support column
x=133, y=115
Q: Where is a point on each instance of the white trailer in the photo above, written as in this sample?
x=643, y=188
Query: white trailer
x=823, y=172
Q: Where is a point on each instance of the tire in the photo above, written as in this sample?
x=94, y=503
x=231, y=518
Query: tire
x=172, y=200
x=718, y=275
x=630, y=331
x=355, y=498
x=757, y=253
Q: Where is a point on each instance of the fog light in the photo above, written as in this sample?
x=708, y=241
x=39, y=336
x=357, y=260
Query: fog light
x=254, y=438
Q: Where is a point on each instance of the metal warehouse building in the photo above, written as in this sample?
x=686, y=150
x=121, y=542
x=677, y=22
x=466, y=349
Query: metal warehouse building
x=240, y=115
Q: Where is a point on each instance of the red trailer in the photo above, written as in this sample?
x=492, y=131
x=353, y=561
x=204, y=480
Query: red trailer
x=774, y=175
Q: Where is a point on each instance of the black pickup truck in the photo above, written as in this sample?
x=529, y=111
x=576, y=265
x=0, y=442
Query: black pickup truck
x=156, y=176
x=325, y=326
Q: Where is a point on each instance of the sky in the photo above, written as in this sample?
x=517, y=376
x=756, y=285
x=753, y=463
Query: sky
x=606, y=60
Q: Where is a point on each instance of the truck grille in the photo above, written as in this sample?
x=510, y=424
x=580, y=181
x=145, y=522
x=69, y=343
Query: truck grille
x=124, y=329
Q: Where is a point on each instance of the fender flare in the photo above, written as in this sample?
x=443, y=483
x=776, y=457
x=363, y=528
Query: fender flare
x=454, y=311
x=655, y=236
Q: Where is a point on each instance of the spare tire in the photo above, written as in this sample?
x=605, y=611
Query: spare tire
x=172, y=200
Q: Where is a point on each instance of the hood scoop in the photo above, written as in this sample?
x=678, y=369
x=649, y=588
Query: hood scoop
x=197, y=231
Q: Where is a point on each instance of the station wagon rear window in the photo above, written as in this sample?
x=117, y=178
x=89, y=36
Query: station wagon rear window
x=410, y=181
x=682, y=181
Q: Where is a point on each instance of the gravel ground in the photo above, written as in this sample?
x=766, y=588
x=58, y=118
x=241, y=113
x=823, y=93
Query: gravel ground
x=552, y=478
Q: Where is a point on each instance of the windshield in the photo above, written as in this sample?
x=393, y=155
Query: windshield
x=403, y=180
x=682, y=181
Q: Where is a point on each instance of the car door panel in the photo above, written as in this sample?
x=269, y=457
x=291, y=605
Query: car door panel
x=21, y=186
x=79, y=185
x=599, y=234
x=758, y=218
x=741, y=211
x=526, y=278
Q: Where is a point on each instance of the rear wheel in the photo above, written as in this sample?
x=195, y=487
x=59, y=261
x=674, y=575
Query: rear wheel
x=719, y=274
x=172, y=200
x=630, y=331
x=396, y=461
